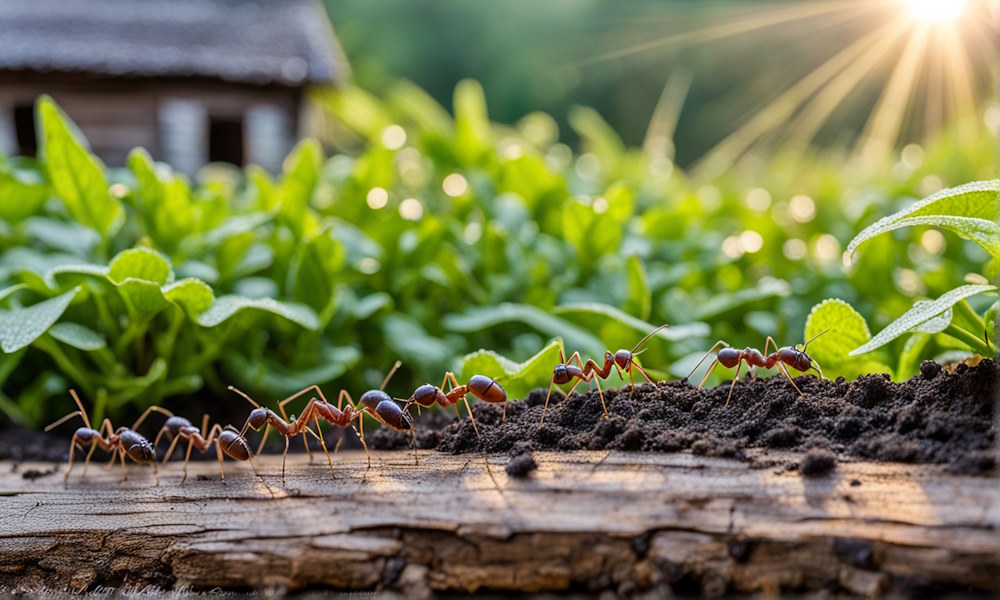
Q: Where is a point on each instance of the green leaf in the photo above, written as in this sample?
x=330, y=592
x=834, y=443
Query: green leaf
x=301, y=172
x=992, y=319
x=165, y=200
x=408, y=339
x=921, y=313
x=22, y=194
x=315, y=269
x=639, y=301
x=193, y=295
x=517, y=379
x=225, y=307
x=845, y=330
x=588, y=232
x=273, y=378
x=78, y=336
x=672, y=333
x=971, y=210
x=723, y=303
x=4, y=293
x=473, y=134
x=484, y=317
x=76, y=175
x=22, y=326
x=140, y=263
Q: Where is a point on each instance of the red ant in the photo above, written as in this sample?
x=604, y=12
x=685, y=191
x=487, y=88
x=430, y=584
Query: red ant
x=121, y=442
x=289, y=428
x=227, y=440
x=732, y=357
x=375, y=403
x=480, y=386
x=622, y=360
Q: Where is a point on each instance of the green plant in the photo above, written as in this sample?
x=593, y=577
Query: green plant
x=973, y=212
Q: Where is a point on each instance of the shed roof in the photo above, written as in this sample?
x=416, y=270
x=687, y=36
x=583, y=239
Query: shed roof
x=284, y=42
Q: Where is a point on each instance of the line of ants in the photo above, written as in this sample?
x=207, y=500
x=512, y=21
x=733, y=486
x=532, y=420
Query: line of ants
x=388, y=411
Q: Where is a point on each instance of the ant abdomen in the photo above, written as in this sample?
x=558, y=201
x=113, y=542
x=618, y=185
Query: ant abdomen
x=137, y=447
x=487, y=389
x=372, y=398
x=233, y=445
x=730, y=357
x=394, y=415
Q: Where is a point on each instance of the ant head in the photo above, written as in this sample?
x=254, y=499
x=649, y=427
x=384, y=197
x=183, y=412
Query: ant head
x=372, y=398
x=623, y=358
x=257, y=418
x=138, y=448
x=427, y=395
x=560, y=374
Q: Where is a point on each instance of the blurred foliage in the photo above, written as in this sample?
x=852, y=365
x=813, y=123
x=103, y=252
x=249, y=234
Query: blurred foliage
x=427, y=237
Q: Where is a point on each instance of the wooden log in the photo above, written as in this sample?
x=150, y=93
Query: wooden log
x=586, y=521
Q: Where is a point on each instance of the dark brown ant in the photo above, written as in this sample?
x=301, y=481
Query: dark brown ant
x=732, y=357
x=376, y=403
x=288, y=428
x=121, y=442
x=623, y=360
x=480, y=386
x=227, y=440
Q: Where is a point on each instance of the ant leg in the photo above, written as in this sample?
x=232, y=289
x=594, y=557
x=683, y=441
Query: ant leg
x=283, y=456
x=709, y=372
x=733, y=385
x=263, y=438
x=643, y=371
x=72, y=448
x=784, y=371
x=222, y=469
x=544, y=408
x=187, y=457
x=361, y=436
x=121, y=454
x=170, y=450
x=413, y=444
x=93, y=446
x=707, y=354
x=322, y=444
x=601, y=394
x=815, y=365
x=340, y=440
x=149, y=411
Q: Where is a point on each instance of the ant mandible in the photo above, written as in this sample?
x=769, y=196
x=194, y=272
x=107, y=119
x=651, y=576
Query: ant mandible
x=227, y=440
x=623, y=360
x=120, y=442
x=791, y=356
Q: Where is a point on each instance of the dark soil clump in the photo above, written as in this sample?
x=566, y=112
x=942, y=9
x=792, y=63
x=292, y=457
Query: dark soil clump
x=521, y=466
x=818, y=462
x=935, y=417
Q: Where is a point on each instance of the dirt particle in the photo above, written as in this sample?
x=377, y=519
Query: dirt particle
x=33, y=474
x=929, y=369
x=521, y=466
x=818, y=462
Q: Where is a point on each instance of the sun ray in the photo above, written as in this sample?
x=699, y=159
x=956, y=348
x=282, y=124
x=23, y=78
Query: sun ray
x=773, y=17
x=883, y=126
x=726, y=152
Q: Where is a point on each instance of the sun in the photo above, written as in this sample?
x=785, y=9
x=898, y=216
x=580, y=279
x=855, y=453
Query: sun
x=935, y=11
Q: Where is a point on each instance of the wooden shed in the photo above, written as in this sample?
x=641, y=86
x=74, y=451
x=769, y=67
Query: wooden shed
x=193, y=81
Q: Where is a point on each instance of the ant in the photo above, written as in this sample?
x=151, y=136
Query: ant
x=227, y=440
x=120, y=442
x=788, y=355
x=623, y=360
x=289, y=428
x=480, y=386
x=376, y=403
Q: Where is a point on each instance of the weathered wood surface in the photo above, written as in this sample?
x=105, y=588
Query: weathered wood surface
x=586, y=521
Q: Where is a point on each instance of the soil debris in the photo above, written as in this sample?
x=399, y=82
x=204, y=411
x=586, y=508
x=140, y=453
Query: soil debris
x=521, y=466
x=818, y=462
x=935, y=417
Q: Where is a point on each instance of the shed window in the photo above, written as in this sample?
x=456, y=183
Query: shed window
x=24, y=129
x=225, y=140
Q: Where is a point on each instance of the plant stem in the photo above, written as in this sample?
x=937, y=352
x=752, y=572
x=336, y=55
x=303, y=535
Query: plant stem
x=976, y=344
x=63, y=362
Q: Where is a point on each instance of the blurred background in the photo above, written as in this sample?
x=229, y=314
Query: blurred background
x=472, y=175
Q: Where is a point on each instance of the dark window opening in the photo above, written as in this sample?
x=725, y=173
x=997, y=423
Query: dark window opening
x=24, y=128
x=225, y=140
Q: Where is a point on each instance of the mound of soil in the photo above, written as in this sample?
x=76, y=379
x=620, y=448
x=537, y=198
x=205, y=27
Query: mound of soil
x=935, y=417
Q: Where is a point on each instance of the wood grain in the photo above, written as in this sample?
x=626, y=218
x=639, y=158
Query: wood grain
x=584, y=521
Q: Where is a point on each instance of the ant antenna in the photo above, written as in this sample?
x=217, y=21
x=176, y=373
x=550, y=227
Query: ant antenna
x=719, y=345
x=392, y=372
x=813, y=338
x=649, y=335
x=248, y=398
x=80, y=412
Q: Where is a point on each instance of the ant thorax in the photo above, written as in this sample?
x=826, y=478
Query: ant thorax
x=622, y=358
